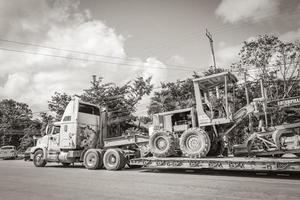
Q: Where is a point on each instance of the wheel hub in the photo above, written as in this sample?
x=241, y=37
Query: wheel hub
x=91, y=160
x=161, y=143
x=112, y=159
x=193, y=143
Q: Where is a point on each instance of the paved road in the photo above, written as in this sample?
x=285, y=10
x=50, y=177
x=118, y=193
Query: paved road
x=21, y=180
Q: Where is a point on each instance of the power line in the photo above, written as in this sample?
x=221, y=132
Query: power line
x=92, y=60
x=68, y=50
x=218, y=29
x=85, y=53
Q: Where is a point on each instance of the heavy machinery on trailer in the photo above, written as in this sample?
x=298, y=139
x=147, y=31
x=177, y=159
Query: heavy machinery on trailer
x=198, y=137
x=83, y=136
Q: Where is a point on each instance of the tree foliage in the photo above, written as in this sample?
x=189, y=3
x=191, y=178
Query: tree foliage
x=177, y=95
x=14, y=115
x=119, y=101
x=58, y=103
x=276, y=62
x=173, y=95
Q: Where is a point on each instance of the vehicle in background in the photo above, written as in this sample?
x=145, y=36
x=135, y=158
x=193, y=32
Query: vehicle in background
x=8, y=152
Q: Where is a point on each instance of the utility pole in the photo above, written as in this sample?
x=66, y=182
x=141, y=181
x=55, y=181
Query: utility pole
x=209, y=36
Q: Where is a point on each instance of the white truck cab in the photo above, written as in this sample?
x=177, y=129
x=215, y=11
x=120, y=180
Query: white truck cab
x=77, y=130
x=82, y=136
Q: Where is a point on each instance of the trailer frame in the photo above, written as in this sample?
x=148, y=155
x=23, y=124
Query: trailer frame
x=228, y=163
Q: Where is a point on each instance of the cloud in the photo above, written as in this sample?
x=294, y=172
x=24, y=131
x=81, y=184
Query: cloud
x=244, y=10
x=227, y=55
x=177, y=60
x=290, y=36
x=61, y=24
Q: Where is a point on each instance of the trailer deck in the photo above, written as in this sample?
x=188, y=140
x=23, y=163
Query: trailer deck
x=228, y=163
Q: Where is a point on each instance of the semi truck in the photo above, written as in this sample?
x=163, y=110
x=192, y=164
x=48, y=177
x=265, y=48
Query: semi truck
x=82, y=136
x=197, y=137
x=190, y=138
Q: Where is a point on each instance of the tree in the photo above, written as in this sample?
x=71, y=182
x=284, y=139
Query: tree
x=287, y=64
x=177, y=95
x=33, y=129
x=273, y=61
x=13, y=116
x=172, y=96
x=58, y=103
x=118, y=100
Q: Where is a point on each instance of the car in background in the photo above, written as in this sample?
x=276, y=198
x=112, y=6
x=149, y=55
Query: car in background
x=27, y=154
x=8, y=152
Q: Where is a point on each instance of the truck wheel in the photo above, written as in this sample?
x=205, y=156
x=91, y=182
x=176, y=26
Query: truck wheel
x=114, y=159
x=195, y=143
x=38, y=159
x=162, y=144
x=92, y=159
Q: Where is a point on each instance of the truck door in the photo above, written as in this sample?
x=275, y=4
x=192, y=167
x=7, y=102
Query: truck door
x=53, y=141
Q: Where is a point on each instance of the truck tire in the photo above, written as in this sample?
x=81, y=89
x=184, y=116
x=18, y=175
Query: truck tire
x=162, y=144
x=92, y=159
x=114, y=159
x=38, y=159
x=195, y=142
x=123, y=159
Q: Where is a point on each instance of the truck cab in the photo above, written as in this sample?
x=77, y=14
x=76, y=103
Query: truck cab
x=76, y=131
x=82, y=136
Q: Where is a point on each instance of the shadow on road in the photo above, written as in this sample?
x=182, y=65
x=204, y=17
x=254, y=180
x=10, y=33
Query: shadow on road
x=271, y=175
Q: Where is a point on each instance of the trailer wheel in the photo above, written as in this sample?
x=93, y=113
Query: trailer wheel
x=38, y=159
x=92, y=159
x=114, y=159
x=162, y=144
x=195, y=143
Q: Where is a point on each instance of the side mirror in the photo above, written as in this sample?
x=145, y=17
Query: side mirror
x=46, y=129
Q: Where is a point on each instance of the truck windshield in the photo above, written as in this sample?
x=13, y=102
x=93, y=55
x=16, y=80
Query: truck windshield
x=88, y=109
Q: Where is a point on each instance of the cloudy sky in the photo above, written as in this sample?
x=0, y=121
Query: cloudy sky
x=57, y=45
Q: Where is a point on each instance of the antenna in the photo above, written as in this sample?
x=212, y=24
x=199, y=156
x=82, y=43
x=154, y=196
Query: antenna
x=209, y=36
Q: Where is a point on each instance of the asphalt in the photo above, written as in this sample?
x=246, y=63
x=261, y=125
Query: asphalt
x=21, y=180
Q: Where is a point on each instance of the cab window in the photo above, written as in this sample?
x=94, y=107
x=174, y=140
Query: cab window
x=56, y=129
x=88, y=109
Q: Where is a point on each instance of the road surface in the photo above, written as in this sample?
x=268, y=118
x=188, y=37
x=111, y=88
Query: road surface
x=21, y=180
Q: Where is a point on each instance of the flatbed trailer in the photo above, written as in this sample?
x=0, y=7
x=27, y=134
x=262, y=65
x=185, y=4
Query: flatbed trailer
x=228, y=163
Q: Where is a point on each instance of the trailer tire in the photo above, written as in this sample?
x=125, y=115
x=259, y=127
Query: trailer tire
x=92, y=159
x=38, y=159
x=195, y=142
x=114, y=159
